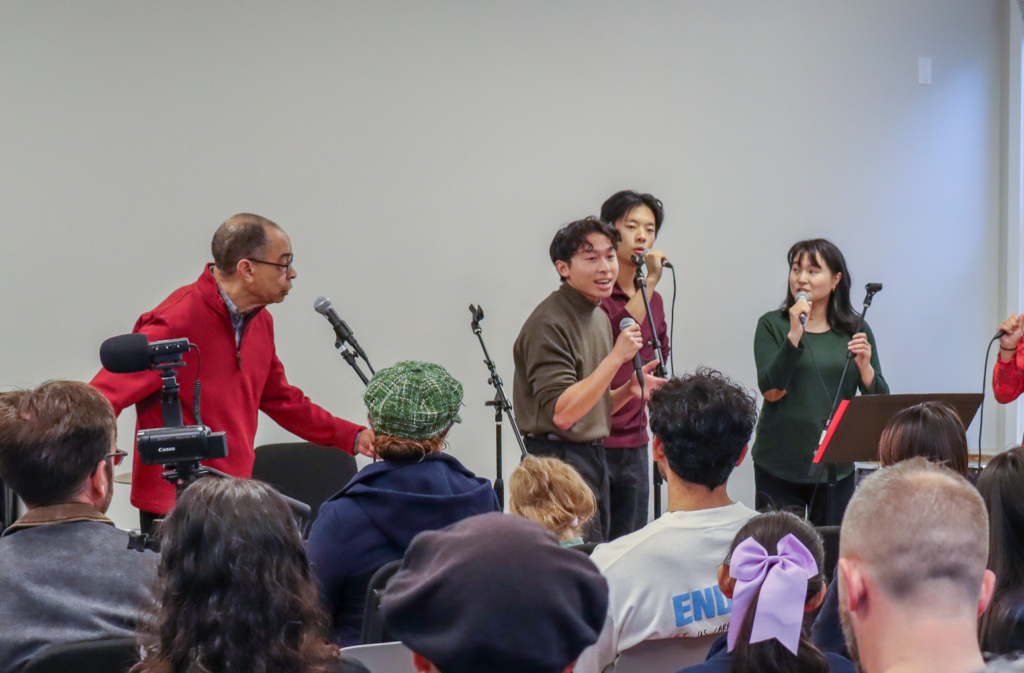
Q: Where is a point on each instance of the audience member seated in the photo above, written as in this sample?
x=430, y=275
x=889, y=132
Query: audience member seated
x=416, y=487
x=552, y=493
x=66, y=573
x=236, y=588
x=779, y=555
x=931, y=430
x=912, y=576
x=494, y=594
x=662, y=579
x=1001, y=485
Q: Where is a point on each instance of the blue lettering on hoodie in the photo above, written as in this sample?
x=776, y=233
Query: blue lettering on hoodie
x=699, y=605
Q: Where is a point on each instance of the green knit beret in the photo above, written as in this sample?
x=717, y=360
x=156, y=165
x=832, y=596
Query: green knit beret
x=413, y=399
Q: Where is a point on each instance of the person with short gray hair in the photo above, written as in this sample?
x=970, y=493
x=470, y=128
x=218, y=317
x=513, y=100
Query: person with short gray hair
x=912, y=570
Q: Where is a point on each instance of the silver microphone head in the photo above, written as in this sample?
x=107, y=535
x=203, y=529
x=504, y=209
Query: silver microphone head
x=803, y=295
x=322, y=305
x=626, y=322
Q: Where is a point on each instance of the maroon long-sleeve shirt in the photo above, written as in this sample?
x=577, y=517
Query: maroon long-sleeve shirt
x=629, y=424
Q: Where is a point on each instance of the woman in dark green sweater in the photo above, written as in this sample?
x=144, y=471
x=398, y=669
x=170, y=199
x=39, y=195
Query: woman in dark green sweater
x=799, y=364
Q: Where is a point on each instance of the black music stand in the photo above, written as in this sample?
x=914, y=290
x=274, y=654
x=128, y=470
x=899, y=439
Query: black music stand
x=856, y=429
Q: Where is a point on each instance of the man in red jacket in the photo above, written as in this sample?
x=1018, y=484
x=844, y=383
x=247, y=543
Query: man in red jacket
x=223, y=314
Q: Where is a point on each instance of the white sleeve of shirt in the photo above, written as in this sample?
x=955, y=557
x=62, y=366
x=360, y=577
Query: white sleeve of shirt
x=600, y=657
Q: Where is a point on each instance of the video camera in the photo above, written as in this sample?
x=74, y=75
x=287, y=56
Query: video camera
x=176, y=446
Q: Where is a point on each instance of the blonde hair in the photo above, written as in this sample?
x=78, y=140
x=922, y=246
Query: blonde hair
x=553, y=494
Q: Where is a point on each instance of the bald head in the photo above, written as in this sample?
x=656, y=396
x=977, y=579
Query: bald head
x=921, y=530
x=243, y=236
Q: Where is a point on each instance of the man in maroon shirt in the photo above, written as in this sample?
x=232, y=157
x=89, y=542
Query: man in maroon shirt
x=223, y=313
x=638, y=218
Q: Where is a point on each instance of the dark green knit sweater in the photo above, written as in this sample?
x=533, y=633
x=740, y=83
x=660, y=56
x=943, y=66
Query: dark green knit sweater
x=789, y=429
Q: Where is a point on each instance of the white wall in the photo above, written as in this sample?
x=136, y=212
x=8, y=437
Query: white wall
x=421, y=155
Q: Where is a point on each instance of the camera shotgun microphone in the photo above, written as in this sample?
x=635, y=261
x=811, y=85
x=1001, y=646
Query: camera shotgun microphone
x=807, y=298
x=130, y=353
x=623, y=324
x=323, y=306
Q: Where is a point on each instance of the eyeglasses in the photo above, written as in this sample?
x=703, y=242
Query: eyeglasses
x=117, y=456
x=287, y=267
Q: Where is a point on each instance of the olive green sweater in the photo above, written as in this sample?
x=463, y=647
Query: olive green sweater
x=789, y=429
x=562, y=342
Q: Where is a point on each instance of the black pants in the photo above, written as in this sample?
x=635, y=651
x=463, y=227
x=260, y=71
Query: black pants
x=629, y=489
x=589, y=460
x=775, y=493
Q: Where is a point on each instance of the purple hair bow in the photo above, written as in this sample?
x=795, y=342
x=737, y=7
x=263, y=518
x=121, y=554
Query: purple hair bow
x=782, y=578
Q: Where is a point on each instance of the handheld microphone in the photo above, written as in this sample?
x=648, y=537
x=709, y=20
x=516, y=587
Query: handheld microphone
x=323, y=306
x=639, y=260
x=623, y=324
x=130, y=353
x=807, y=298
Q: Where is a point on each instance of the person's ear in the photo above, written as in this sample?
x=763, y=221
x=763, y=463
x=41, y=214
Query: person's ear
x=988, y=587
x=817, y=600
x=657, y=449
x=562, y=268
x=836, y=278
x=726, y=582
x=743, y=454
x=244, y=269
x=853, y=582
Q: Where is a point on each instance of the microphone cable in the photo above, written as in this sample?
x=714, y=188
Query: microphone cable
x=672, y=328
x=828, y=396
x=984, y=382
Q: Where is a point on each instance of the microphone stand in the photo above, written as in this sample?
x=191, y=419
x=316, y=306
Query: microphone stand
x=833, y=471
x=350, y=357
x=640, y=282
x=500, y=403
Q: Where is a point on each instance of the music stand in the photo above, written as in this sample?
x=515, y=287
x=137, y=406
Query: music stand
x=856, y=429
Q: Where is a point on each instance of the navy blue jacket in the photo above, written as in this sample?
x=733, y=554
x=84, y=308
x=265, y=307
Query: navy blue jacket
x=720, y=661
x=374, y=518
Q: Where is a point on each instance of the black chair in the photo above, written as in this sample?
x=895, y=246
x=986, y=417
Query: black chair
x=585, y=548
x=830, y=537
x=374, y=629
x=111, y=655
x=304, y=471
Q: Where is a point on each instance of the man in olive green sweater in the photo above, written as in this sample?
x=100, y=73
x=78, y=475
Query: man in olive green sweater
x=565, y=360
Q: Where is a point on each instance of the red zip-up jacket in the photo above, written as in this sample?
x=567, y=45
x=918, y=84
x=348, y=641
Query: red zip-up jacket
x=237, y=384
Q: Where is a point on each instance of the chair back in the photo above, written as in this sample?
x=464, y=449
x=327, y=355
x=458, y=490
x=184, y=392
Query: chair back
x=382, y=657
x=664, y=656
x=304, y=471
x=374, y=629
x=110, y=655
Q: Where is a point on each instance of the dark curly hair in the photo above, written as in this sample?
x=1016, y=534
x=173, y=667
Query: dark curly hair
x=704, y=421
x=770, y=656
x=572, y=238
x=840, y=314
x=622, y=203
x=237, y=593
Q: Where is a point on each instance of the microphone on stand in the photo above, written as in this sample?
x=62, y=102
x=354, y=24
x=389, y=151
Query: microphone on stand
x=623, y=324
x=807, y=298
x=323, y=306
